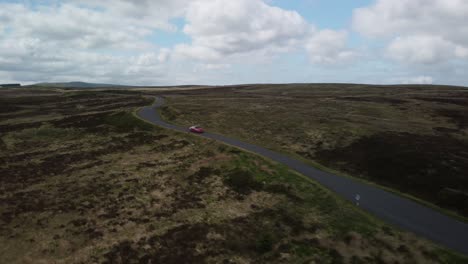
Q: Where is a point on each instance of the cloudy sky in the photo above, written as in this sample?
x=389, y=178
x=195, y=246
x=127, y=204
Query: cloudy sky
x=169, y=42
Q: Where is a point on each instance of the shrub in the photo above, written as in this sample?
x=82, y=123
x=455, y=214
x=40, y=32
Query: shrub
x=241, y=181
x=264, y=243
x=168, y=113
x=452, y=197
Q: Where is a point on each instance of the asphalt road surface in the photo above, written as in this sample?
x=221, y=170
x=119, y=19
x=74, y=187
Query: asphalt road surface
x=399, y=211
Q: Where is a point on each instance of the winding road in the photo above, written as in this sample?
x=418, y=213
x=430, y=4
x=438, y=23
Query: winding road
x=399, y=211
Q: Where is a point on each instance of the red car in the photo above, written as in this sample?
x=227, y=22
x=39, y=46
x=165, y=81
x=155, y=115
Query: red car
x=196, y=129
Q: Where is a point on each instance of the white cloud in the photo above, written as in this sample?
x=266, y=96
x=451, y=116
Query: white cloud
x=418, y=80
x=220, y=28
x=421, y=49
x=196, y=52
x=67, y=42
x=422, y=31
x=441, y=17
x=209, y=66
x=329, y=46
x=146, y=13
x=29, y=59
x=74, y=27
x=461, y=52
x=114, y=40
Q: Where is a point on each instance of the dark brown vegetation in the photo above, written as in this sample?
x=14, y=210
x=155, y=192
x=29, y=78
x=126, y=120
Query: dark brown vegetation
x=413, y=138
x=83, y=181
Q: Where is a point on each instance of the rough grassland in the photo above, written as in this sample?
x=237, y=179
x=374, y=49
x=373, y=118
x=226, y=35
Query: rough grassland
x=83, y=181
x=413, y=139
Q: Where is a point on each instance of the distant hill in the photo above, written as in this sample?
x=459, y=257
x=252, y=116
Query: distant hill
x=75, y=85
x=85, y=85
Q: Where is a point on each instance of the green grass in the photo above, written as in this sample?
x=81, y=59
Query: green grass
x=126, y=121
x=342, y=217
x=45, y=134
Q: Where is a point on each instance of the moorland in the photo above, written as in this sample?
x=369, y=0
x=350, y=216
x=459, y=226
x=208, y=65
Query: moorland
x=82, y=180
x=411, y=139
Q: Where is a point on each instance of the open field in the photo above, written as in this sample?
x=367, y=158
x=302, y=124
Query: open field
x=412, y=139
x=82, y=180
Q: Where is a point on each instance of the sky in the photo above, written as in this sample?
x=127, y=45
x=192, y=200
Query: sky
x=221, y=42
